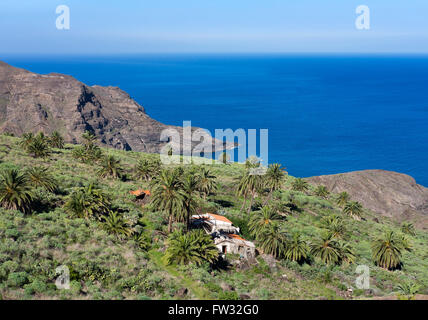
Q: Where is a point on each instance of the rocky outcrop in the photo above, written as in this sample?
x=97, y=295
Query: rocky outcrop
x=388, y=193
x=31, y=102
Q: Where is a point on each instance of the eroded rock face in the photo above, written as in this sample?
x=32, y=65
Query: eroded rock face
x=31, y=102
x=388, y=193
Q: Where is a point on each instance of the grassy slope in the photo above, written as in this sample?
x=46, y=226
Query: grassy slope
x=102, y=267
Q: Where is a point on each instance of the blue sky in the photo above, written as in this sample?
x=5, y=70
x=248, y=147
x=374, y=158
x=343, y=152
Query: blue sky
x=212, y=26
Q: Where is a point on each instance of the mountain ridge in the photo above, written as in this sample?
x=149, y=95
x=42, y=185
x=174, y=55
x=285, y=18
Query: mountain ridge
x=31, y=102
x=388, y=193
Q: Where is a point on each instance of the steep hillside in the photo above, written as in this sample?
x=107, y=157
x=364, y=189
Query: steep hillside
x=390, y=194
x=107, y=266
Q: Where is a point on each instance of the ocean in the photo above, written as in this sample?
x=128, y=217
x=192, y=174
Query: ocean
x=325, y=114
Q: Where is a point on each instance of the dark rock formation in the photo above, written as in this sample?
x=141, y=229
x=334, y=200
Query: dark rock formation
x=388, y=193
x=31, y=102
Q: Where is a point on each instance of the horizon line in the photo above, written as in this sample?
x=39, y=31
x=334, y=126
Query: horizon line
x=303, y=53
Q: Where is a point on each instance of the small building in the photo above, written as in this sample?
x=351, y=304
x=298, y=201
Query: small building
x=141, y=195
x=214, y=223
x=225, y=235
x=234, y=243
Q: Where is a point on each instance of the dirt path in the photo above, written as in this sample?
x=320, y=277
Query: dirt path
x=194, y=287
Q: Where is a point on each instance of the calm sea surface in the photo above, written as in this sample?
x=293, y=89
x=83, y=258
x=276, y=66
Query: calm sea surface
x=325, y=114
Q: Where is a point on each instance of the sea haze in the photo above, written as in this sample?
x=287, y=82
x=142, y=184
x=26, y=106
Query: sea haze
x=325, y=114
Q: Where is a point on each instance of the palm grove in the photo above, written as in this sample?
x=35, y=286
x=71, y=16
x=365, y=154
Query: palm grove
x=180, y=191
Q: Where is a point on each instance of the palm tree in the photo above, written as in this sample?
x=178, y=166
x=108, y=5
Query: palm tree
x=274, y=178
x=146, y=170
x=334, y=224
x=272, y=241
x=224, y=158
x=141, y=240
x=195, y=247
x=93, y=153
x=110, y=167
x=38, y=146
x=353, y=209
x=88, y=139
x=297, y=249
x=15, y=191
x=190, y=187
x=207, y=182
x=347, y=252
x=242, y=190
x=252, y=163
x=87, y=154
x=40, y=177
x=405, y=242
x=168, y=196
x=79, y=153
x=250, y=184
x=409, y=228
x=342, y=199
x=299, y=185
x=56, y=140
x=322, y=191
x=88, y=202
x=387, y=250
x=260, y=220
x=408, y=289
x=326, y=248
x=26, y=139
x=115, y=224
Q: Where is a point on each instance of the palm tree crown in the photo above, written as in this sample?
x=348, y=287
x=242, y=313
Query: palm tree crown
x=110, y=167
x=40, y=177
x=322, y=191
x=342, y=198
x=56, y=140
x=207, y=182
x=146, y=170
x=168, y=196
x=87, y=202
x=299, y=185
x=195, y=247
x=260, y=220
x=15, y=191
x=297, y=249
x=38, y=146
x=326, y=248
x=274, y=178
x=409, y=228
x=272, y=241
x=115, y=224
x=387, y=250
x=353, y=209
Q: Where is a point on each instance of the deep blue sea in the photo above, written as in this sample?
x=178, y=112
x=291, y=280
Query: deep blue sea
x=325, y=114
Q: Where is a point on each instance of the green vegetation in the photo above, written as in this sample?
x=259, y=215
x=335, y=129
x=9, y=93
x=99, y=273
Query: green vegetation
x=387, y=250
x=194, y=247
x=15, y=191
x=110, y=167
x=57, y=211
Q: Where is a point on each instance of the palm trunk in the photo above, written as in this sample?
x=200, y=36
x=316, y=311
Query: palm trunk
x=253, y=195
x=187, y=218
x=268, y=197
x=170, y=223
x=245, y=201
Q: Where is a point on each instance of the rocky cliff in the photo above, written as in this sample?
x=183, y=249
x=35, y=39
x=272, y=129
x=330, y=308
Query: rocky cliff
x=388, y=193
x=31, y=102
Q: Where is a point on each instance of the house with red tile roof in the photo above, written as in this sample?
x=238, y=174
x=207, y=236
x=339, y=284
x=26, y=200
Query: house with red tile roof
x=225, y=234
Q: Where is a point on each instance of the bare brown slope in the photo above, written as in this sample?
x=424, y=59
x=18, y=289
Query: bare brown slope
x=388, y=193
x=31, y=102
